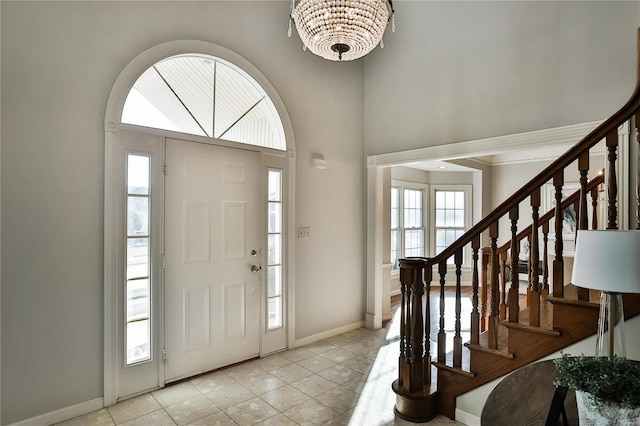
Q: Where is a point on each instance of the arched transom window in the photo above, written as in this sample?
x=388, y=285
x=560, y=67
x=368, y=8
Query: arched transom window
x=206, y=96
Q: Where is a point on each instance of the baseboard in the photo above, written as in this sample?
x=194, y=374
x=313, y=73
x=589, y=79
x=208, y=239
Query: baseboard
x=467, y=418
x=63, y=413
x=326, y=334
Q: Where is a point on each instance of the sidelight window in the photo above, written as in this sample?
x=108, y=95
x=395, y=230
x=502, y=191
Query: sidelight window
x=138, y=268
x=274, y=250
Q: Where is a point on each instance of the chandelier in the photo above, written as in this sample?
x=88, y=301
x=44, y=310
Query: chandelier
x=341, y=29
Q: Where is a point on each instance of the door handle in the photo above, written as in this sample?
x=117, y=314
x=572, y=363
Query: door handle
x=255, y=268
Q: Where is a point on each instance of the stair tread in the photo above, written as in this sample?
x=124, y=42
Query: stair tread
x=530, y=328
x=456, y=370
x=567, y=301
x=497, y=352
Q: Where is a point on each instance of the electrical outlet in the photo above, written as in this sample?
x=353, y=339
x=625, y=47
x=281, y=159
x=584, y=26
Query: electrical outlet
x=304, y=232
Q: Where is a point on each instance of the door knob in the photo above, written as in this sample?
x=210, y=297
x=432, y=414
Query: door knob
x=255, y=268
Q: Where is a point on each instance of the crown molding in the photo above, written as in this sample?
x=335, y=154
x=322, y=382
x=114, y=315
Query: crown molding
x=560, y=137
x=547, y=154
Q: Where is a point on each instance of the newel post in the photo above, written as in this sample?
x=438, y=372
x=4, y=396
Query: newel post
x=415, y=401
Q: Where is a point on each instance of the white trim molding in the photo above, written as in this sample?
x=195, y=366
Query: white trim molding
x=467, y=418
x=564, y=136
x=374, y=247
x=326, y=334
x=625, y=192
x=62, y=414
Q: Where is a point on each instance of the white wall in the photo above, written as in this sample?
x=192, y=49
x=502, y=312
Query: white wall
x=508, y=178
x=468, y=70
x=59, y=62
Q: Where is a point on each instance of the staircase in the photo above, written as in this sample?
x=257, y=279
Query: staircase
x=509, y=330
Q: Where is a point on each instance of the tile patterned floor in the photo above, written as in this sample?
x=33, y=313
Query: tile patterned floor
x=343, y=380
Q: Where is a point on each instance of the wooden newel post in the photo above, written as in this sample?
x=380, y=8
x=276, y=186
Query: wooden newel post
x=414, y=399
x=404, y=369
x=416, y=358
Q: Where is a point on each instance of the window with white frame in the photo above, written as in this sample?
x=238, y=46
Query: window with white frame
x=205, y=96
x=274, y=250
x=451, y=214
x=412, y=224
x=408, y=232
x=138, y=266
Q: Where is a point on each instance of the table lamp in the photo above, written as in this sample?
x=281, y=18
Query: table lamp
x=608, y=261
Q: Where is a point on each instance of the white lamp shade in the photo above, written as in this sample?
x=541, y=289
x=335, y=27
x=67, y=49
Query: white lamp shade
x=607, y=261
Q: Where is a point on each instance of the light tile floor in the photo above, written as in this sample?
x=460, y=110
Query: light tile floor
x=343, y=380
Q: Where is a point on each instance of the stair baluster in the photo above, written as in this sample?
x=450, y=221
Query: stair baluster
x=534, y=259
x=457, y=338
x=583, y=167
x=475, y=314
x=558, y=261
x=503, y=285
x=612, y=181
x=545, y=259
x=494, y=314
x=486, y=254
x=428, y=272
x=594, y=207
x=515, y=256
x=442, y=335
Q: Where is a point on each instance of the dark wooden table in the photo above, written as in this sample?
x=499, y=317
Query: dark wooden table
x=524, y=398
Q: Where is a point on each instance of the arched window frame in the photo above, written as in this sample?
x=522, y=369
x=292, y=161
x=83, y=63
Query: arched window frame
x=207, y=96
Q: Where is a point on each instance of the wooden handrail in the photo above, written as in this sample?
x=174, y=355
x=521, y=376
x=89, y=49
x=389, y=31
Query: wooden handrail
x=599, y=133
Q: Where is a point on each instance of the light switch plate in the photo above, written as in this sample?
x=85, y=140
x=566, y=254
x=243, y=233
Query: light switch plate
x=304, y=232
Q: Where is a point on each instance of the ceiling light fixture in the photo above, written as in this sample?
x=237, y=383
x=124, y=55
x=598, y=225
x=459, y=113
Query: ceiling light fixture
x=341, y=29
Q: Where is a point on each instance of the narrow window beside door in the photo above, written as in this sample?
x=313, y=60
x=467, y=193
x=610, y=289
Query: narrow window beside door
x=274, y=250
x=138, y=283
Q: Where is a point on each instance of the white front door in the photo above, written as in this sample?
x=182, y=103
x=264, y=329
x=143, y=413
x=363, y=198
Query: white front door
x=213, y=238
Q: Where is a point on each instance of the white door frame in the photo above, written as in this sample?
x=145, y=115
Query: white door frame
x=112, y=252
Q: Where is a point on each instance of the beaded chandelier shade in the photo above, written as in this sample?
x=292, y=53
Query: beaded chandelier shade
x=341, y=30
